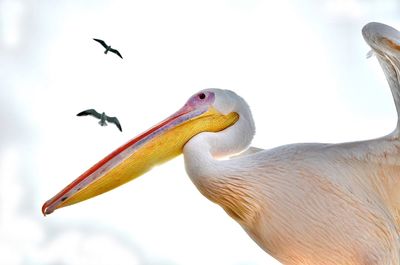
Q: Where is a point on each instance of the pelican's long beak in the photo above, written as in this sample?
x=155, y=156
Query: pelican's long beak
x=157, y=145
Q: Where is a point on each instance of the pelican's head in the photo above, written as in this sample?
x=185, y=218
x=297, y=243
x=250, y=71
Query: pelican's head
x=210, y=110
x=238, y=137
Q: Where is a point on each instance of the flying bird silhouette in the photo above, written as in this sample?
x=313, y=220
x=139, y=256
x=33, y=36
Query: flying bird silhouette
x=108, y=47
x=103, y=117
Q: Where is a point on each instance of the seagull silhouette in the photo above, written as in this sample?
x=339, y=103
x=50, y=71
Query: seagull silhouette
x=108, y=47
x=103, y=117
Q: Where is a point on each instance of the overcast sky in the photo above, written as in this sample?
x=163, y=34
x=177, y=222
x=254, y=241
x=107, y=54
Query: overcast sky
x=300, y=65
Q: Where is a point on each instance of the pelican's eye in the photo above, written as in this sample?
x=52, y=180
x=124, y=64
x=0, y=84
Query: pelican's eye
x=205, y=98
x=202, y=96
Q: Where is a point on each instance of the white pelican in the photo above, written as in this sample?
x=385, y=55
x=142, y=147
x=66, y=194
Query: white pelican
x=324, y=204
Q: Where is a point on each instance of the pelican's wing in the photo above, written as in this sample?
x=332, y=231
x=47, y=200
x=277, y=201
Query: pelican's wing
x=385, y=44
x=116, y=52
x=101, y=42
x=115, y=121
x=91, y=112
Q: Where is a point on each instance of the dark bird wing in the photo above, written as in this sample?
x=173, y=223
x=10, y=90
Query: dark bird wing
x=101, y=42
x=91, y=112
x=116, y=52
x=115, y=121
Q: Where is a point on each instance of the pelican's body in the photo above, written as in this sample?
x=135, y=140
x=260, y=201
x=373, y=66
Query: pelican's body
x=305, y=204
x=312, y=203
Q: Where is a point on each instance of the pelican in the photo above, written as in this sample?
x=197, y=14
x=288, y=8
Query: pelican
x=309, y=203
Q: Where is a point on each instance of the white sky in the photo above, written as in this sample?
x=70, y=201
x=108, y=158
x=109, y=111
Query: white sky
x=299, y=64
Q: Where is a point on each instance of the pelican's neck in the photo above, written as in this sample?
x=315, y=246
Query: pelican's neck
x=219, y=179
x=200, y=163
x=385, y=42
x=203, y=150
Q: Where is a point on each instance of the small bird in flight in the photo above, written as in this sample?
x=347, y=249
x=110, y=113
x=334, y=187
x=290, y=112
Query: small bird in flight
x=103, y=117
x=108, y=47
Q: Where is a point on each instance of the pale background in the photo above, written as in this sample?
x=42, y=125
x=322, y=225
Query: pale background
x=300, y=65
